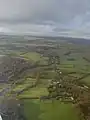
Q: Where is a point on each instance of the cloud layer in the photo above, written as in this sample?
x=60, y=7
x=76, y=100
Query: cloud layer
x=44, y=16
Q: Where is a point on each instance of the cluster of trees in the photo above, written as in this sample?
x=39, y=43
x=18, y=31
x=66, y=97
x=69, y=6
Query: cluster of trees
x=80, y=96
x=78, y=91
x=53, y=60
x=83, y=103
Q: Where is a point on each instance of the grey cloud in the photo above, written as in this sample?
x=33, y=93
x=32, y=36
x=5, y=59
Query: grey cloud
x=41, y=10
x=44, y=15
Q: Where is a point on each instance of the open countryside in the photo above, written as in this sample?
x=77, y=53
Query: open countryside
x=46, y=78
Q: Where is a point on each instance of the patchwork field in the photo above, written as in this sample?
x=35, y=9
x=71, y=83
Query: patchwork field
x=35, y=80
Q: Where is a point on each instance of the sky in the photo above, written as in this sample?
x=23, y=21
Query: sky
x=45, y=17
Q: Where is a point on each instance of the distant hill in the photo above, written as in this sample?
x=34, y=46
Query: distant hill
x=69, y=39
x=56, y=38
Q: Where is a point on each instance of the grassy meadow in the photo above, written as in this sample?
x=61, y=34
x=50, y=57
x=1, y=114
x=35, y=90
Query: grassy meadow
x=36, y=110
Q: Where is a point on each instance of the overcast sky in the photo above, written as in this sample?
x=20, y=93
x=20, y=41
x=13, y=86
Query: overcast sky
x=45, y=16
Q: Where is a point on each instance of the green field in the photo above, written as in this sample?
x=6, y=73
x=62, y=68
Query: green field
x=24, y=83
x=34, y=92
x=36, y=110
x=87, y=80
x=32, y=56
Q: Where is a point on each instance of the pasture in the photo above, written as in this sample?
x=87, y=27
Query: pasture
x=36, y=110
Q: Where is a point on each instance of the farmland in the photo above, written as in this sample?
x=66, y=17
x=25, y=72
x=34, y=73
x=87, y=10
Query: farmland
x=48, y=111
x=45, y=75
